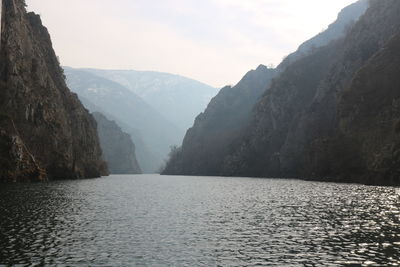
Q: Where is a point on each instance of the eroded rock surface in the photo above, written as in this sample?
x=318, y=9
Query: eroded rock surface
x=50, y=122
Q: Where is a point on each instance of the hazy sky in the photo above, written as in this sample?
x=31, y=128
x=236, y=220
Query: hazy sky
x=213, y=41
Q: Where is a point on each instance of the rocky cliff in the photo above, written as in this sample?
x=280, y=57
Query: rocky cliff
x=213, y=145
x=335, y=122
x=207, y=142
x=331, y=114
x=45, y=131
x=118, y=148
x=365, y=145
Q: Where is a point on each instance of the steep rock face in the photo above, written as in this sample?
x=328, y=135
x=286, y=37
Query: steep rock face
x=366, y=143
x=276, y=114
x=307, y=143
x=118, y=148
x=52, y=128
x=366, y=39
x=16, y=161
x=220, y=138
x=206, y=143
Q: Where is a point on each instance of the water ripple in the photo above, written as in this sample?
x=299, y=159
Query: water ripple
x=152, y=220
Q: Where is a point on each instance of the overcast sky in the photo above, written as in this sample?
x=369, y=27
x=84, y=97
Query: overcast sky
x=213, y=41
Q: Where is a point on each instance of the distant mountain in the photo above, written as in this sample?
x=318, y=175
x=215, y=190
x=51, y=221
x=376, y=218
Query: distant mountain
x=130, y=111
x=178, y=98
x=45, y=132
x=118, y=148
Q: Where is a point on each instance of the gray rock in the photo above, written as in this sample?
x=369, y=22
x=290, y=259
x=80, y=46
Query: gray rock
x=55, y=133
x=118, y=148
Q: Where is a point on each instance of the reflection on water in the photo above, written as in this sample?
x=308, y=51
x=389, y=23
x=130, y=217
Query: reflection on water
x=156, y=220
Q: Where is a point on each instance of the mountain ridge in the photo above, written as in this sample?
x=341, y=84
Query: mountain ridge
x=131, y=112
x=178, y=98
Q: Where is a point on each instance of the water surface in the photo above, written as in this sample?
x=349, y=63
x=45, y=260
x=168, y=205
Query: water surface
x=152, y=220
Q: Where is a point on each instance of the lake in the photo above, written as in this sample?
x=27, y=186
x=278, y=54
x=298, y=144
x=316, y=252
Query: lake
x=152, y=220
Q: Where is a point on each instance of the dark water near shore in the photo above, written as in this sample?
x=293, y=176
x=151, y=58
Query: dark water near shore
x=152, y=220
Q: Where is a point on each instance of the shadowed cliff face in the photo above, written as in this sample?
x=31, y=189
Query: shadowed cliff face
x=237, y=136
x=279, y=112
x=118, y=148
x=366, y=142
x=330, y=114
x=50, y=123
x=293, y=135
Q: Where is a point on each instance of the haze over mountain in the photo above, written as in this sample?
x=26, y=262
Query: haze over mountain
x=147, y=161
x=157, y=132
x=178, y=98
